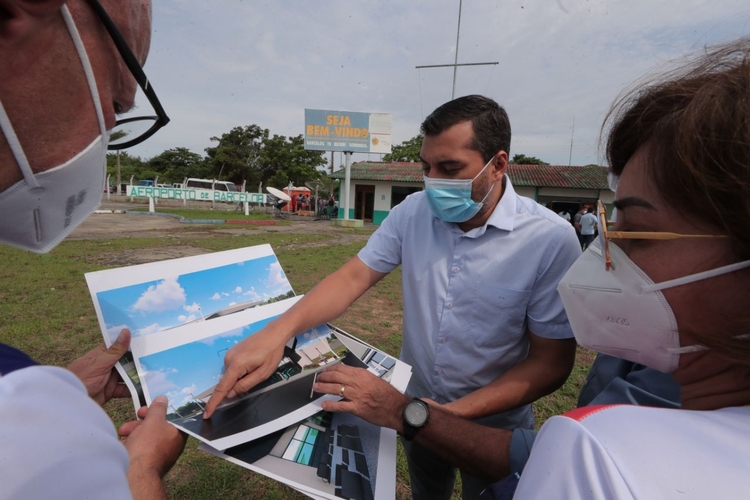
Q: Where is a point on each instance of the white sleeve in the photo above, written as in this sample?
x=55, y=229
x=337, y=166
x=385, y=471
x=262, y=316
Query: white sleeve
x=56, y=442
x=567, y=461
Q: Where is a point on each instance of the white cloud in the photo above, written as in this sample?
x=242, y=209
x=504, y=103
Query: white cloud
x=186, y=319
x=216, y=296
x=232, y=303
x=114, y=331
x=193, y=308
x=148, y=330
x=238, y=289
x=231, y=333
x=252, y=294
x=158, y=383
x=276, y=277
x=164, y=296
x=180, y=397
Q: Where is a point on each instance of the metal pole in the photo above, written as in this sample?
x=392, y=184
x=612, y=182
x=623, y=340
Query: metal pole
x=347, y=181
x=455, y=62
x=118, y=172
x=570, y=157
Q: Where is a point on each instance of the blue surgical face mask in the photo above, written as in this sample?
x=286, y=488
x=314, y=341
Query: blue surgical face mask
x=450, y=199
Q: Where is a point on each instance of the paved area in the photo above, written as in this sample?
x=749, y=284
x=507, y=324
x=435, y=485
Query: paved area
x=116, y=223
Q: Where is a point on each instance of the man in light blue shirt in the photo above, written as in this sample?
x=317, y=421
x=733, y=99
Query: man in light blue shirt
x=484, y=328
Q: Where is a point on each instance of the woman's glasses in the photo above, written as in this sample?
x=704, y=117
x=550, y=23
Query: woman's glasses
x=605, y=235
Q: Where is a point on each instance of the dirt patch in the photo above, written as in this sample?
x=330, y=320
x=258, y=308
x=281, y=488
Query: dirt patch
x=133, y=257
x=115, y=223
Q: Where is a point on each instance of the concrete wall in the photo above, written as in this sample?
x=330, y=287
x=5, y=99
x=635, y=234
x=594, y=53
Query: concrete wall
x=528, y=192
x=382, y=204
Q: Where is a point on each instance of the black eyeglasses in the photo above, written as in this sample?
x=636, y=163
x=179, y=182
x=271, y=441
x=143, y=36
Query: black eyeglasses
x=123, y=135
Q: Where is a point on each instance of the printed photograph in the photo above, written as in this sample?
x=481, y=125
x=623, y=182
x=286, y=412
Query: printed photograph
x=155, y=305
x=187, y=374
x=332, y=455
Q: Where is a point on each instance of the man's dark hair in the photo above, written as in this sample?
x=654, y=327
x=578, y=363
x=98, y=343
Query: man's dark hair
x=488, y=120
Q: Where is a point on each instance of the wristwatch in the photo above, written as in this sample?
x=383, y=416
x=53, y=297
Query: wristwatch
x=416, y=414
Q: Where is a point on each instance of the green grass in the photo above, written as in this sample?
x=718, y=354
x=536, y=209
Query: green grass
x=47, y=311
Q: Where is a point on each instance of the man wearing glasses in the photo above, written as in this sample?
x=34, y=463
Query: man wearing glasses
x=66, y=70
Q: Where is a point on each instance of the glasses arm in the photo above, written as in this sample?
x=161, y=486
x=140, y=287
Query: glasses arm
x=136, y=70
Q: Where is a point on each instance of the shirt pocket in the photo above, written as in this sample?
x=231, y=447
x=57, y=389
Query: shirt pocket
x=498, y=315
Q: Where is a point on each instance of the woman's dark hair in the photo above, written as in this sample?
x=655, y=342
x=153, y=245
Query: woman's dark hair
x=488, y=120
x=695, y=122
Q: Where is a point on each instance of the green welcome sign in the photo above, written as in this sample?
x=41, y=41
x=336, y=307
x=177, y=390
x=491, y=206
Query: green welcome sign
x=195, y=194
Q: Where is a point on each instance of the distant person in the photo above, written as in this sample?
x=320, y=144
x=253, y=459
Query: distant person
x=565, y=215
x=62, y=82
x=484, y=328
x=588, y=225
x=577, y=223
x=331, y=206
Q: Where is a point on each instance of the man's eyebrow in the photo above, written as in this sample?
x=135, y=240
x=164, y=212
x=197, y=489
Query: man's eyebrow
x=632, y=201
x=445, y=163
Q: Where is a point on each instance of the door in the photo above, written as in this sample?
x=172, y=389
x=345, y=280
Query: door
x=364, y=202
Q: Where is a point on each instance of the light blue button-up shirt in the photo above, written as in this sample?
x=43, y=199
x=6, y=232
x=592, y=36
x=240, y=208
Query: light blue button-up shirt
x=470, y=297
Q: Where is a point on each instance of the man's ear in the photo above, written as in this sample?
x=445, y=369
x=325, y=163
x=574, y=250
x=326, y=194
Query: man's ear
x=500, y=165
x=20, y=19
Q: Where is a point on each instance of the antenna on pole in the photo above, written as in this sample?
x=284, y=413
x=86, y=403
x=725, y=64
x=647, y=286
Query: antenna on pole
x=570, y=157
x=455, y=61
x=455, y=64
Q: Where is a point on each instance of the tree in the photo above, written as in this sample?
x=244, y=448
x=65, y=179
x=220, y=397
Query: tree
x=527, y=160
x=251, y=154
x=129, y=165
x=235, y=156
x=174, y=165
x=406, y=151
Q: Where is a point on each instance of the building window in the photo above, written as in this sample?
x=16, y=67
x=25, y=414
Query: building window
x=399, y=193
x=301, y=449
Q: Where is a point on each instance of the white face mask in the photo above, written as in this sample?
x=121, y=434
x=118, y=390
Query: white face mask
x=41, y=210
x=622, y=312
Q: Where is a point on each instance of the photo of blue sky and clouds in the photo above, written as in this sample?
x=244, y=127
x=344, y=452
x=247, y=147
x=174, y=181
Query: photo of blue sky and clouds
x=156, y=305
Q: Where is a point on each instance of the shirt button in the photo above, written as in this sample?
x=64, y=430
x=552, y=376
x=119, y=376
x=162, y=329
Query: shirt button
x=443, y=340
x=456, y=270
x=449, y=305
x=439, y=371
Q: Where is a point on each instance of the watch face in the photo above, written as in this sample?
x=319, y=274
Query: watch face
x=416, y=413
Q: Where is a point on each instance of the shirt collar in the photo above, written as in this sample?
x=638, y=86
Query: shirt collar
x=504, y=214
x=502, y=217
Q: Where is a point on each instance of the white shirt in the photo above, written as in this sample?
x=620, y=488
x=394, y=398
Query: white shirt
x=635, y=452
x=564, y=215
x=470, y=297
x=588, y=223
x=55, y=441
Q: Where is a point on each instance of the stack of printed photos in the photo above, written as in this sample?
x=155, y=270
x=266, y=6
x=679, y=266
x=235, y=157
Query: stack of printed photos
x=185, y=314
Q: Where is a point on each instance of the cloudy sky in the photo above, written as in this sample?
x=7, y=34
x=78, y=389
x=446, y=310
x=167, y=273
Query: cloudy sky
x=220, y=64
